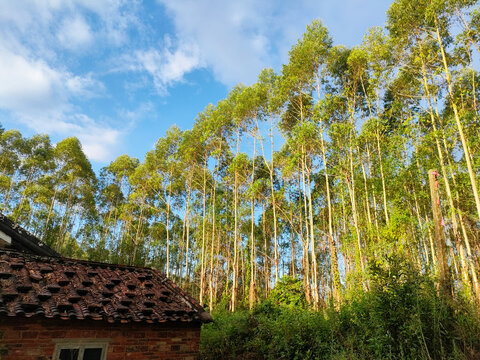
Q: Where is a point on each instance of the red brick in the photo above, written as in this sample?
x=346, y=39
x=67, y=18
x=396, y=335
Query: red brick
x=29, y=334
x=116, y=356
x=35, y=340
x=11, y=334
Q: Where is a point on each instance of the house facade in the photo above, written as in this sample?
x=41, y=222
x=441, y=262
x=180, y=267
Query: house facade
x=65, y=309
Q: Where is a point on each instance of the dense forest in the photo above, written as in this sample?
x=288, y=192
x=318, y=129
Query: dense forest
x=318, y=172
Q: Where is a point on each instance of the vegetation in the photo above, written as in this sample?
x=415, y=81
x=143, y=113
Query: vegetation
x=318, y=172
x=401, y=317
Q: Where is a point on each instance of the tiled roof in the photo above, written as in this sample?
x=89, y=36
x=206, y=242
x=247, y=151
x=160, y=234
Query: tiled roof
x=50, y=287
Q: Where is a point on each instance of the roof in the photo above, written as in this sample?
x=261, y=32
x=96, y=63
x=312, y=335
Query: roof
x=20, y=239
x=53, y=287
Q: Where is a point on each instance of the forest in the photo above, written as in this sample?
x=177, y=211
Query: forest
x=308, y=188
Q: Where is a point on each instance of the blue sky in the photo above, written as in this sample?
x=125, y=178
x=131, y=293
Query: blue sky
x=117, y=74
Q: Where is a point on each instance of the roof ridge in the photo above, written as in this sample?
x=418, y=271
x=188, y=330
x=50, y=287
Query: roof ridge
x=85, y=261
x=24, y=238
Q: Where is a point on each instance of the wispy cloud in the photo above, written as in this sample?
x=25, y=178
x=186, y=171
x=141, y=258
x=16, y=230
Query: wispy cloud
x=75, y=33
x=97, y=139
x=37, y=88
x=28, y=86
x=238, y=39
x=58, y=57
x=39, y=97
x=166, y=65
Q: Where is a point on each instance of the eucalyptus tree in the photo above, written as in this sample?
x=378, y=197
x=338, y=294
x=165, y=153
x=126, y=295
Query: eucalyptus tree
x=11, y=144
x=465, y=94
x=34, y=183
x=206, y=129
x=250, y=102
x=147, y=195
x=292, y=163
x=238, y=170
x=190, y=153
x=114, y=191
x=424, y=28
x=344, y=74
x=214, y=125
x=74, y=195
x=236, y=106
x=422, y=20
x=318, y=44
x=256, y=194
x=428, y=65
x=267, y=86
x=299, y=77
x=324, y=113
x=166, y=164
x=376, y=69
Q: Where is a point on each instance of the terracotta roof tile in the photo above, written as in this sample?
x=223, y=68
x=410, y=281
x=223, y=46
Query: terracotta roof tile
x=53, y=287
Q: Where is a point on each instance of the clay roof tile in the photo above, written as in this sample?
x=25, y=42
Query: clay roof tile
x=75, y=289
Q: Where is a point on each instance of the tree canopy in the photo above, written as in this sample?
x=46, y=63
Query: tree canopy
x=318, y=172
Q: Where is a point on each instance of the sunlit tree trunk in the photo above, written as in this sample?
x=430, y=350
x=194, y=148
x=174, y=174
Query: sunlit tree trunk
x=466, y=149
x=233, y=301
x=204, y=219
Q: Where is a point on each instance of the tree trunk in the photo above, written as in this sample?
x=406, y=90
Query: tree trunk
x=251, y=293
x=465, y=146
x=167, y=225
x=202, y=271
x=444, y=272
x=233, y=301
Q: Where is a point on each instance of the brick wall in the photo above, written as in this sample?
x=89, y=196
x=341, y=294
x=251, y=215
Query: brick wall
x=33, y=339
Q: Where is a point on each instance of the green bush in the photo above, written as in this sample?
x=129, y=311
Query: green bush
x=226, y=337
x=400, y=317
x=289, y=292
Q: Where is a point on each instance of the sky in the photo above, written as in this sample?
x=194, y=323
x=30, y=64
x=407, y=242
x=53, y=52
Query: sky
x=118, y=73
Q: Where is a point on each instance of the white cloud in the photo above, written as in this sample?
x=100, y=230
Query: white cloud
x=29, y=86
x=238, y=39
x=115, y=17
x=37, y=89
x=85, y=86
x=41, y=22
x=74, y=33
x=99, y=141
x=221, y=31
x=166, y=66
x=38, y=96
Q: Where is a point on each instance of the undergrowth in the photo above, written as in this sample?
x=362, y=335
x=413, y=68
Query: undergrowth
x=401, y=316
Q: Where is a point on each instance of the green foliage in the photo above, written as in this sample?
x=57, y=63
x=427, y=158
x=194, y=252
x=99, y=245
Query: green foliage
x=401, y=317
x=318, y=171
x=288, y=292
x=225, y=338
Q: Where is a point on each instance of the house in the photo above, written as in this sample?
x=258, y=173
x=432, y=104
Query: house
x=64, y=309
x=13, y=236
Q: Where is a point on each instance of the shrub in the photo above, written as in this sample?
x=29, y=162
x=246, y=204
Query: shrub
x=226, y=337
x=400, y=317
x=289, y=292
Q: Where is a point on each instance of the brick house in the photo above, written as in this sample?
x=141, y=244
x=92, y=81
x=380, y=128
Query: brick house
x=64, y=309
